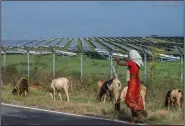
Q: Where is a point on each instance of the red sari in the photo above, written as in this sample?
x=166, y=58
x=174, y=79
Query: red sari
x=133, y=99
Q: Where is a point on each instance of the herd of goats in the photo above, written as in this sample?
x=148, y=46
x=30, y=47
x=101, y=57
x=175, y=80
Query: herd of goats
x=111, y=88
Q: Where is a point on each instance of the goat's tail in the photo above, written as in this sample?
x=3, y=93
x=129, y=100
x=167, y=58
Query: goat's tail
x=70, y=83
x=167, y=97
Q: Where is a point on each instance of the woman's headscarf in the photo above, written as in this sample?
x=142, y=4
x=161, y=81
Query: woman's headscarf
x=135, y=57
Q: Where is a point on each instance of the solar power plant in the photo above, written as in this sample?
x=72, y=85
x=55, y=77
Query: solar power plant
x=8, y=43
x=90, y=39
x=48, y=42
x=107, y=45
x=85, y=45
x=131, y=46
x=54, y=42
x=22, y=44
x=96, y=45
x=42, y=43
x=63, y=43
x=59, y=42
x=73, y=46
x=172, y=39
x=32, y=44
x=125, y=48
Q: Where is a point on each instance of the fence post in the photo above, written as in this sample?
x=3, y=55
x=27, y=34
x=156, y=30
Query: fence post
x=53, y=64
x=28, y=61
x=145, y=61
x=182, y=63
x=53, y=51
x=4, y=60
x=81, y=62
x=111, y=66
x=4, y=54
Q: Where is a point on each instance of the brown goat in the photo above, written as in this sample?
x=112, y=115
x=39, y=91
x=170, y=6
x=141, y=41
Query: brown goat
x=36, y=86
x=174, y=96
x=100, y=84
x=21, y=87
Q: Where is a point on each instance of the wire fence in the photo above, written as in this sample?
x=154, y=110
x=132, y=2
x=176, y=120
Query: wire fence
x=86, y=64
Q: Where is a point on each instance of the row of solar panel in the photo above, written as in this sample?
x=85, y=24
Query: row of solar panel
x=110, y=43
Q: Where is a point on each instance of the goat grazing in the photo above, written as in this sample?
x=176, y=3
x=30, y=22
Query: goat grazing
x=100, y=84
x=20, y=87
x=174, y=96
x=58, y=84
x=113, y=86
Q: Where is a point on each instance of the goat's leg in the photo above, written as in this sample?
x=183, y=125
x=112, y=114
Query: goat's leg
x=179, y=104
x=25, y=93
x=144, y=103
x=54, y=93
x=104, y=98
x=20, y=92
x=60, y=96
x=67, y=95
x=51, y=94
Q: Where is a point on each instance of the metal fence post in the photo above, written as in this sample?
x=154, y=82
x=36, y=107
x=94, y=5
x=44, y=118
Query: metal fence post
x=53, y=64
x=5, y=60
x=81, y=61
x=53, y=51
x=4, y=54
x=111, y=66
x=145, y=62
x=28, y=61
x=182, y=63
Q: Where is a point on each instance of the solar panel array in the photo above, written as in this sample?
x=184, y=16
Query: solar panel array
x=85, y=45
x=112, y=43
x=73, y=46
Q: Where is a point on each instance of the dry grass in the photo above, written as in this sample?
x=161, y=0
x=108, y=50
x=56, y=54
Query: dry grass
x=83, y=98
x=85, y=103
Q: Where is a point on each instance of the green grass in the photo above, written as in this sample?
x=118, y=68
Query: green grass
x=156, y=40
x=83, y=98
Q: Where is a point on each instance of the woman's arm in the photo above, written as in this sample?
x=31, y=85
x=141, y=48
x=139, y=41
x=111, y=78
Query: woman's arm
x=119, y=63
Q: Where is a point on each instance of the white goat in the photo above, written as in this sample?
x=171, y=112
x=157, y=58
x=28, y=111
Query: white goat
x=59, y=84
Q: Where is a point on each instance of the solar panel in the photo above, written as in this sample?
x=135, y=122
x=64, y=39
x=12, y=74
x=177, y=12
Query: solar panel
x=85, y=45
x=63, y=43
x=96, y=45
x=73, y=46
x=54, y=42
x=107, y=45
x=9, y=43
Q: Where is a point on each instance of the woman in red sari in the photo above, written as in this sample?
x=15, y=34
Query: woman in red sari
x=133, y=99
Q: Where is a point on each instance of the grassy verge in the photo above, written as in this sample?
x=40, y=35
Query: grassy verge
x=83, y=98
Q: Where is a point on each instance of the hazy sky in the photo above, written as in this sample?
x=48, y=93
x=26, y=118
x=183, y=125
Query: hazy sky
x=32, y=20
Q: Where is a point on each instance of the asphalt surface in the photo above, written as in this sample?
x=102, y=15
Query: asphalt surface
x=23, y=116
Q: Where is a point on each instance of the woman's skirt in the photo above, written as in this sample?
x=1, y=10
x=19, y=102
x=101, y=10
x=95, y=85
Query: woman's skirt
x=133, y=98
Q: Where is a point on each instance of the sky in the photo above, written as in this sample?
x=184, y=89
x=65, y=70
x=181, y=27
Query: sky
x=33, y=20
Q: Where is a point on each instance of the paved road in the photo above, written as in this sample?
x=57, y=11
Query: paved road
x=17, y=116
